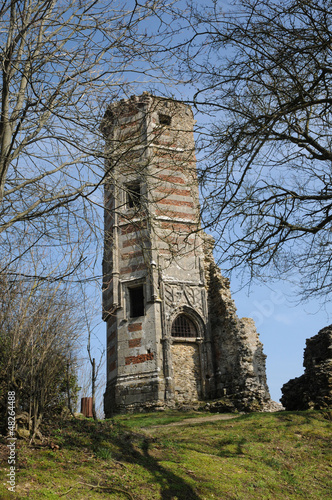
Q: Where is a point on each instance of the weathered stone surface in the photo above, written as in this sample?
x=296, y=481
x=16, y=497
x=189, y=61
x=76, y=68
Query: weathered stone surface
x=187, y=372
x=313, y=389
x=156, y=252
x=239, y=357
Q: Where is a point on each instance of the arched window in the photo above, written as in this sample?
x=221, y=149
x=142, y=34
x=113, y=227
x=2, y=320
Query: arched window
x=183, y=327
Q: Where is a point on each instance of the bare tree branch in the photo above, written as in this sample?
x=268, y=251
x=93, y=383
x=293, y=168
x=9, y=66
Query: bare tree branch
x=264, y=70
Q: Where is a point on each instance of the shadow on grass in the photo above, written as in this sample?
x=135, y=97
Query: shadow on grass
x=306, y=415
x=231, y=447
x=130, y=448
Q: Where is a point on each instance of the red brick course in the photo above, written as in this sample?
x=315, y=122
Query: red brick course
x=177, y=226
x=111, y=351
x=141, y=358
x=111, y=336
x=112, y=366
x=172, y=178
x=131, y=255
x=130, y=124
x=133, y=228
x=134, y=343
x=180, y=215
x=134, y=241
x=180, y=192
x=176, y=203
x=135, y=327
x=111, y=321
x=173, y=156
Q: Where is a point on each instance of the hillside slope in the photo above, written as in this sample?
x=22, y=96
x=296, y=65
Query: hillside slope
x=145, y=457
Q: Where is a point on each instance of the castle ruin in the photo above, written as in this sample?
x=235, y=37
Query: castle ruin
x=173, y=336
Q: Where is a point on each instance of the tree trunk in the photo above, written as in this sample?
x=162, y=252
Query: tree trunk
x=94, y=389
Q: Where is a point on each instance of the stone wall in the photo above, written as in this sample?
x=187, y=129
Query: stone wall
x=156, y=252
x=238, y=353
x=186, y=372
x=313, y=390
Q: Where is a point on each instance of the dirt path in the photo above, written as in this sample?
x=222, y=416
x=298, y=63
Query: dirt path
x=196, y=420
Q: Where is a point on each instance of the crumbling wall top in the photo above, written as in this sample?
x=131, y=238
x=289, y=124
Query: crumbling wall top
x=145, y=102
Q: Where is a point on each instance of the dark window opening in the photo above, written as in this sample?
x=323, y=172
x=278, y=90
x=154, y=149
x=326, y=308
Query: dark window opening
x=165, y=119
x=183, y=327
x=136, y=301
x=133, y=195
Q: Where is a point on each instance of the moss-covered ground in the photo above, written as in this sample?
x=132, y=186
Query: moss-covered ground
x=284, y=455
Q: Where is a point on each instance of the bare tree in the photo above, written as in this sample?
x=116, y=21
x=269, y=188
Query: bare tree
x=39, y=330
x=85, y=381
x=60, y=63
x=92, y=344
x=263, y=69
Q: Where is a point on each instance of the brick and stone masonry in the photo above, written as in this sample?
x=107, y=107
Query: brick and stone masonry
x=173, y=336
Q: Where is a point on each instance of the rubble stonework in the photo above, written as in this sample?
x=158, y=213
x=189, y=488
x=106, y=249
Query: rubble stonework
x=313, y=389
x=238, y=352
x=173, y=336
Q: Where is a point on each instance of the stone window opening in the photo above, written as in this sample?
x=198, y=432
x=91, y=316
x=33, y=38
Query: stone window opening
x=136, y=301
x=183, y=327
x=133, y=195
x=164, y=119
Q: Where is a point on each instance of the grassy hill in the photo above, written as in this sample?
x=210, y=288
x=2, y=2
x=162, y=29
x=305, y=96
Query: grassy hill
x=170, y=456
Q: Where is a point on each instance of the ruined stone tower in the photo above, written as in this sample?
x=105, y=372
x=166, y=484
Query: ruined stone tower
x=172, y=331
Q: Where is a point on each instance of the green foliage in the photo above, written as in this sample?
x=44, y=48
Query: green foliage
x=146, y=419
x=104, y=453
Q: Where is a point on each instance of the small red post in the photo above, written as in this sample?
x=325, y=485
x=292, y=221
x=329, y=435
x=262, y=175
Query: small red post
x=86, y=407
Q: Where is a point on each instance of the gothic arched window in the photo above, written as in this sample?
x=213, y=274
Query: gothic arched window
x=183, y=327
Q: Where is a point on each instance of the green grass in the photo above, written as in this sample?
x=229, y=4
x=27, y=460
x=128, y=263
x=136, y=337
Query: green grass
x=283, y=455
x=140, y=420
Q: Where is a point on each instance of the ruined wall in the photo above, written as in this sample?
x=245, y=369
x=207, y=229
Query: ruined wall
x=314, y=388
x=187, y=372
x=240, y=370
x=156, y=245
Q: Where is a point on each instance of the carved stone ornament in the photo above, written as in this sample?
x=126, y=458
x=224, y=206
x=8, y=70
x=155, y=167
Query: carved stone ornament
x=182, y=294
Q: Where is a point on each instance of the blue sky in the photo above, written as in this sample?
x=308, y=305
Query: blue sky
x=283, y=326
x=283, y=323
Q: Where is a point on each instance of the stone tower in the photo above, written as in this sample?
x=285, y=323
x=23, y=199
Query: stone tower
x=172, y=331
